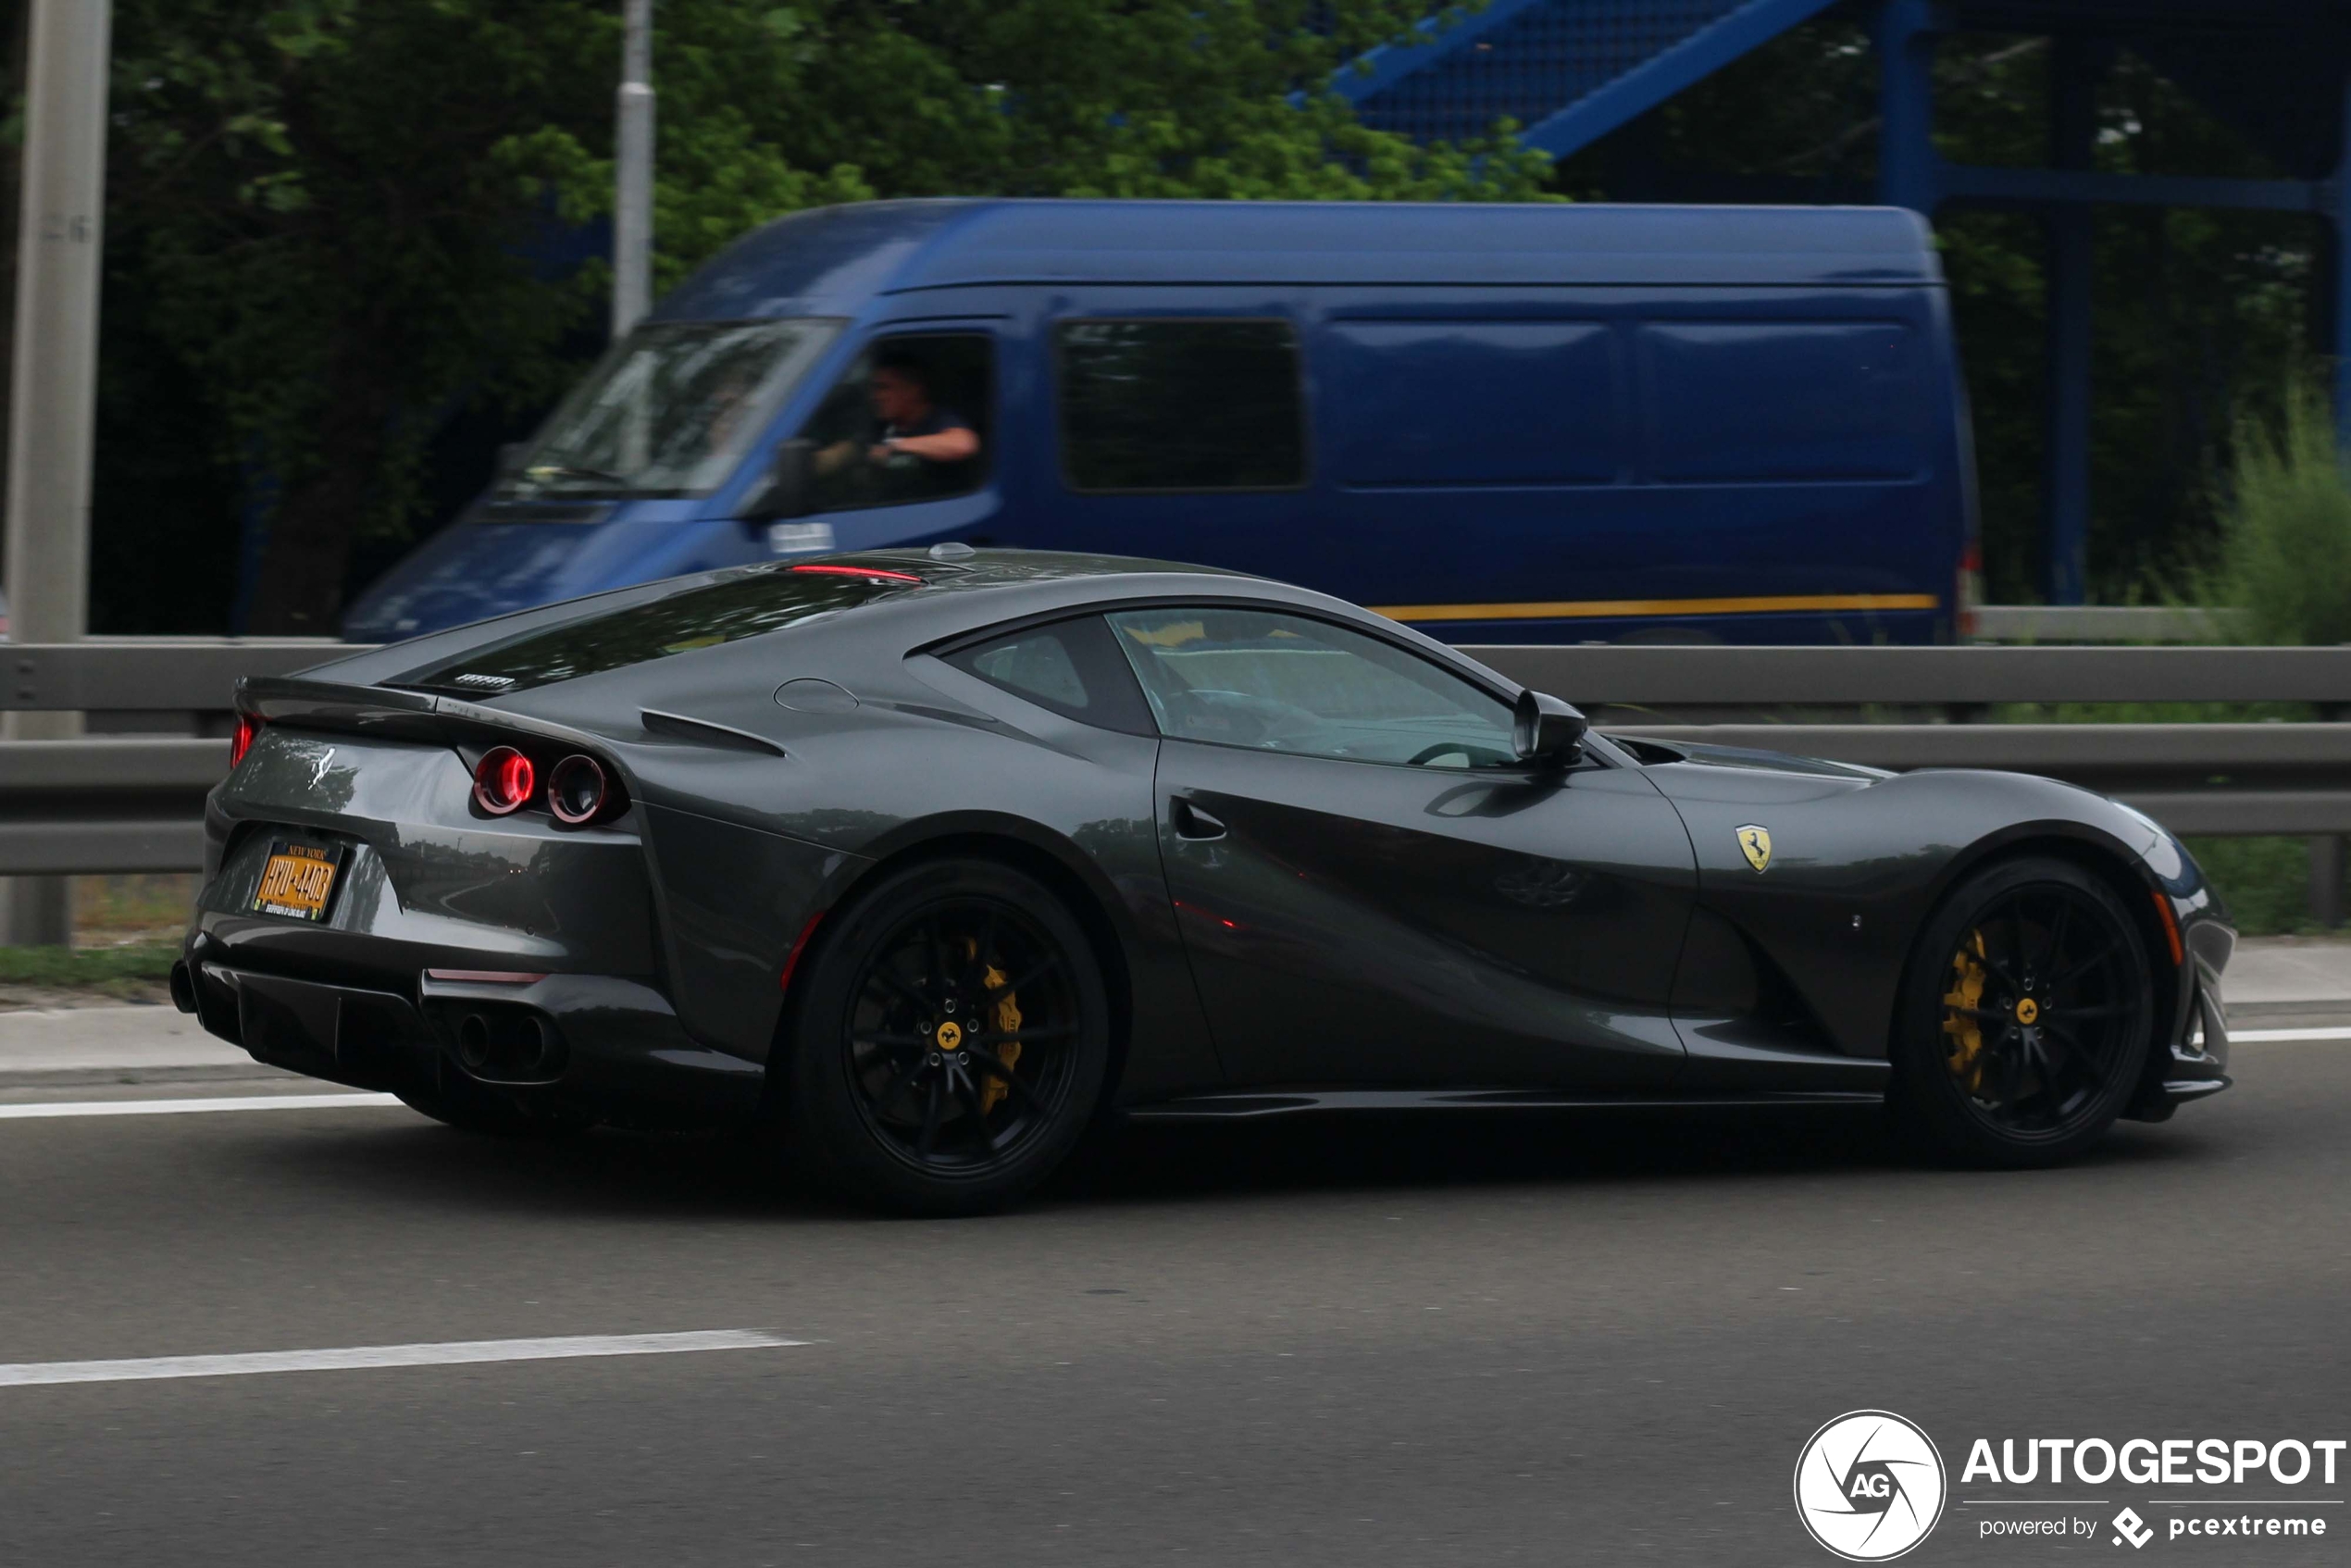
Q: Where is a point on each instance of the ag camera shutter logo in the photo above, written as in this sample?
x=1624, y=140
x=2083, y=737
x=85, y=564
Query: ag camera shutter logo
x=1870, y=1485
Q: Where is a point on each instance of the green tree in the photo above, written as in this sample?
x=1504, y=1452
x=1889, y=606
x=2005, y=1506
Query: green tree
x=334, y=215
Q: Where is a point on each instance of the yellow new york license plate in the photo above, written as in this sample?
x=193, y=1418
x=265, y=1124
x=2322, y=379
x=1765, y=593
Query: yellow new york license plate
x=297, y=881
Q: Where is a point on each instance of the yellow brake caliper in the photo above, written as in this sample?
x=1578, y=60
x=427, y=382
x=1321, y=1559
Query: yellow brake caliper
x=993, y=1088
x=1963, y=1052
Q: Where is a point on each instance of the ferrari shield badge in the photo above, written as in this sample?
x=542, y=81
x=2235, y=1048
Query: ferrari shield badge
x=1757, y=842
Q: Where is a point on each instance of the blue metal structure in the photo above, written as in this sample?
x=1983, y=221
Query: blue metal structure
x=1568, y=71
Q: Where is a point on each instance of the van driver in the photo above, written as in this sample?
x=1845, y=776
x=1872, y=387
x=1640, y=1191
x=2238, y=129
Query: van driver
x=907, y=424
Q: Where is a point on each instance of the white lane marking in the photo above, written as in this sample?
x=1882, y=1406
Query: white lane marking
x=359, y=1101
x=451, y=1353
x=2256, y=1036
x=181, y=1107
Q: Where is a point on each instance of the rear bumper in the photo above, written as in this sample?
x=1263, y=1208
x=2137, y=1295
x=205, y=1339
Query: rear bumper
x=608, y=1047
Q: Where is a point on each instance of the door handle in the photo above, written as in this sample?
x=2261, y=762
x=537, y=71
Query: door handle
x=1193, y=823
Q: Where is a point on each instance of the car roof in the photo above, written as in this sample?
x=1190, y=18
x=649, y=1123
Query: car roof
x=830, y=261
x=963, y=590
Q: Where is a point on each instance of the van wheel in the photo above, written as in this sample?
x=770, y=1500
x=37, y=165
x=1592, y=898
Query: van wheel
x=2025, y=1019
x=950, y=1041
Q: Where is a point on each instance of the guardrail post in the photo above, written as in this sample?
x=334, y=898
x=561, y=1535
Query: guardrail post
x=2326, y=880
x=2326, y=851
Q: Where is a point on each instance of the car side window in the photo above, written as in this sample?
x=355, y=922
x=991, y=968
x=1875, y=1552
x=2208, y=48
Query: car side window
x=1071, y=666
x=908, y=421
x=1290, y=683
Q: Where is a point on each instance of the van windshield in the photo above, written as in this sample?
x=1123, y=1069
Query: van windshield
x=670, y=410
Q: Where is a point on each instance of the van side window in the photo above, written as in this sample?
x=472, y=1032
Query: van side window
x=908, y=421
x=1170, y=405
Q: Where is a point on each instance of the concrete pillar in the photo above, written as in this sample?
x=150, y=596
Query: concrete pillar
x=54, y=392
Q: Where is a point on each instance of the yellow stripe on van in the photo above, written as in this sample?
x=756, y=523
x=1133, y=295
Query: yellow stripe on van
x=1593, y=609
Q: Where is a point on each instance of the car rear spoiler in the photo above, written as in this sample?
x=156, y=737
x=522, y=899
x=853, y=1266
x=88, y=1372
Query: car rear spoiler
x=399, y=714
x=395, y=715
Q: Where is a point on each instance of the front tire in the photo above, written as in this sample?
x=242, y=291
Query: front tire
x=950, y=1041
x=2026, y=1017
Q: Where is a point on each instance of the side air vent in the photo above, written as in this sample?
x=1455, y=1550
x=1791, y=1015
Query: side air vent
x=702, y=733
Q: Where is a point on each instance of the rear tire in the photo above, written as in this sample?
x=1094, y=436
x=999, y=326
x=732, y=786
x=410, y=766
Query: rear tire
x=2026, y=1017
x=950, y=1041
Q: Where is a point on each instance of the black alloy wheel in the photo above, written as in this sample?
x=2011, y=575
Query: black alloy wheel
x=950, y=1041
x=2027, y=1015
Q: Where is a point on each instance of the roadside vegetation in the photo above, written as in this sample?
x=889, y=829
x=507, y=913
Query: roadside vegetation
x=126, y=935
x=2285, y=566
x=2283, y=562
x=131, y=972
x=2281, y=566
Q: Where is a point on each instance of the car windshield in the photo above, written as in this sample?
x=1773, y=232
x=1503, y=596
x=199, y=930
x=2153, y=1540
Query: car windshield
x=670, y=410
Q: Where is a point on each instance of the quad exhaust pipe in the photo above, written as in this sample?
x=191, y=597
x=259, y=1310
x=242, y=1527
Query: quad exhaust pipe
x=509, y=1044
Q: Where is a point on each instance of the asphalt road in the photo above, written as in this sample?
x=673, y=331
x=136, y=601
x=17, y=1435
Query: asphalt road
x=1569, y=1339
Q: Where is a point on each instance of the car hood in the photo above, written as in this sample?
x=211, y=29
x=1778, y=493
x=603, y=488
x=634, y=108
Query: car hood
x=1652, y=750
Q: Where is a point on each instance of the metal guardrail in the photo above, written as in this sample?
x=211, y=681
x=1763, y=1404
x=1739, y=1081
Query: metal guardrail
x=148, y=674
x=1947, y=677
x=106, y=804
x=2102, y=623
x=123, y=804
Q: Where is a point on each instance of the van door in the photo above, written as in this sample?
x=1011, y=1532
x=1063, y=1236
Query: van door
x=1371, y=891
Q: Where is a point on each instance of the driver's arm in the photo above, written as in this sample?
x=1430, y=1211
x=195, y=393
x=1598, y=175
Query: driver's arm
x=951, y=445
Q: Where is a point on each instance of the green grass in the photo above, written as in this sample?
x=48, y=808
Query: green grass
x=2284, y=557
x=125, y=903
x=117, y=971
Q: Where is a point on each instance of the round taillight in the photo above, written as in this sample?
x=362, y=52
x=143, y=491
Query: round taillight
x=575, y=791
x=248, y=730
x=503, y=781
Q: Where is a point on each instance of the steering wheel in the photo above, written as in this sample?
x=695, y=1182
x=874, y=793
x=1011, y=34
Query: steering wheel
x=1247, y=720
x=1429, y=753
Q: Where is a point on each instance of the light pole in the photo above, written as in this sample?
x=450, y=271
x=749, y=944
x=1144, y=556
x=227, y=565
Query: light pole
x=632, y=222
x=53, y=392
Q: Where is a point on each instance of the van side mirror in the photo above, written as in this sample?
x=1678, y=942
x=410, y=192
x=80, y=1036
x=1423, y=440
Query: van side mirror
x=792, y=483
x=1546, y=730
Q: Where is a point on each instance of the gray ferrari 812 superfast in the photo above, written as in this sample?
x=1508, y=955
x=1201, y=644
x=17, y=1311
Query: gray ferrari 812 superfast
x=934, y=860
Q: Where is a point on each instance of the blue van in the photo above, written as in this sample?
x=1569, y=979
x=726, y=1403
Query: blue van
x=1498, y=423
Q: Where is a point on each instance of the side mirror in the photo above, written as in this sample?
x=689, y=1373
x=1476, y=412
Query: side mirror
x=510, y=457
x=1546, y=730
x=792, y=483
